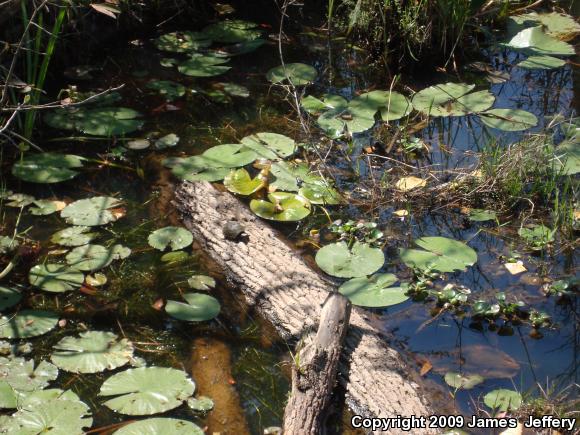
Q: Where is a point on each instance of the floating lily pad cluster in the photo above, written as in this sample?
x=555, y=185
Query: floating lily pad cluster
x=95, y=121
x=542, y=36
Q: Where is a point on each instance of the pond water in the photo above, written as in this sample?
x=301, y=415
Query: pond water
x=248, y=376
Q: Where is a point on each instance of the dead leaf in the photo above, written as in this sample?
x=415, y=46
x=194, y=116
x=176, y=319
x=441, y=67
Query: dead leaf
x=107, y=10
x=158, y=304
x=401, y=213
x=515, y=268
x=407, y=184
x=426, y=368
x=513, y=430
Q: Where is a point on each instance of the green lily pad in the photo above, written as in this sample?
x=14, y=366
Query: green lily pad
x=272, y=146
x=174, y=257
x=9, y=297
x=441, y=254
x=47, y=167
x=196, y=168
x=480, y=215
x=159, y=425
x=298, y=74
x=201, y=282
x=397, y=107
x=45, y=207
x=169, y=90
x=239, y=181
x=147, y=390
x=509, y=119
x=138, y=144
x=27, y=323
x=463, y=382
x=73, y=236
x=314, y=105
x=91, y=211
x=95, y=257
x=452, y=99
x=281, y=206
x=232, y=31
x=288, y=175
x=173, y=237
x=334, y=122
x=182, y=42
x=55, y=278
x=534, y=41
x=199, y=308
x=102, y=121
x=229, y=156
x=243, y=47
x=200, y=404
x=8, y=244
x=96, y=280
x=542, y=62
x=374, y=291
x=338, y=260
x=503, y=400
x=558, y=25
x=568, y=156
x=222, y=92
x=19, y=200
x=204, y=66
x=92, y=352
x=167, y=141
x=57, y=413
x=320, y=193
x=21, y=375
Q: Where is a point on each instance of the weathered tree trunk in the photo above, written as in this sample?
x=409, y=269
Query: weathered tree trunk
x=278, y=284
x=314, y=373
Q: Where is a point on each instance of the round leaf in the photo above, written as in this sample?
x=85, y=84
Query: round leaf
x=182, y=42
x=201, y=282
x=272, y=146
x=147, y=390
x=503, y=400
x=105, y=121
x=464, y=382
x=542, y=62
x=434, y=100
x=282, y=206
x=167, y=89
x=21, y=375
x=91, y=211
x=73, y=236
x=55, y=278
x=337, y=260
x=200, y=404
x=47, y=167
x=374, y=291
x=199, y=308
x=297, y=74
x=232, y=31
x=441, y=254
x=239, y=181
x=196, y=168
x=228, y=156
x=174, y=237
x=27, y=323
x=8, y=297
x=95, y=257
x=204, y=66
x=92, y=352
x=320, y=193
x=509, y=119
x=158, y=425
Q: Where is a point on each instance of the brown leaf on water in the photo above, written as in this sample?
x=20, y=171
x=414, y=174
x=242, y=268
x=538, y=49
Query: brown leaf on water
x=426, y=368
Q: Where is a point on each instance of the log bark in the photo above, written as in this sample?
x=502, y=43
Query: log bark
x=314, y=373
x=282, y=288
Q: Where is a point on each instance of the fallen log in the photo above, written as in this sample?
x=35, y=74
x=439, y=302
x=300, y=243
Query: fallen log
x=314, y=371
x=278, y=284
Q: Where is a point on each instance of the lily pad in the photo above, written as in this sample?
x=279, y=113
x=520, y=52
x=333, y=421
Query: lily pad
x=175, y=257
x=27, y=323
x=95, y=257
x=480, y=215
x=229, y=156
x=509, y=119
x=336, y=121
x=92, y=352
x=288, y=175
x=232, y=31
x=196, y=168
x=21, y=375
x=452, y=99
x=9, y=297
x=167, y=141
x=441, y=254
x=173, y=237
x=55, y=278
x=503, y=399
x=558, y=25
x=199, y=308
x=542, y=62
x=147, y=390
x=271, y=146
x=338, y=260
x=96, y=280
x=20, y=200
x=201, y=282
x=534, y=41
x=182, y=42
x=397, y=107
x=73, y=236
x=49, y=411
x=297, y=74
x=45, y=207
x=8, y=244
x=200, y=404
x=463, y=382
x=568, y=156
x=320, y=193
x=91, y=211
x=167, y=89
x=239, y=181
x=102, y=121
x=314, y=105
x=281, y=206
x=374, y=291
x=159, y=425
x=47, y=167
x=204, y=66
x=138, y=144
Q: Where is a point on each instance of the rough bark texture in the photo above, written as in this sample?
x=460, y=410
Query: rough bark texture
x=286, y=291
x=314, y=374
